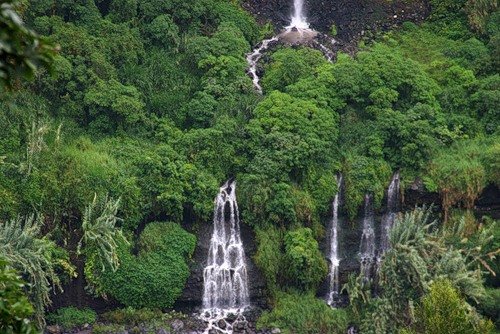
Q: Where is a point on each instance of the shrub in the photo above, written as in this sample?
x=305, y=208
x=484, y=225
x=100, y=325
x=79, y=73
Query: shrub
x=132, y=317
x=303, y=314
x=443, y=311
x=156, y=276
x=490, y=305
x=71, y=317
x=269, y=257
x=305, y=266
x=108, y=329
x=15, y=310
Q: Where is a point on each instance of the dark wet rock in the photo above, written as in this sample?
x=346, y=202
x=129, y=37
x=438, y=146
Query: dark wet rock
x=177, y=325
x=162, y=331
x=221, y=324
x=352, y=18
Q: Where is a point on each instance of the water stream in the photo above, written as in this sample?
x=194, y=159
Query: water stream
x=297, y=32
x=225, y=280
x=367, y=248
x=393, y=202
x=333, y=293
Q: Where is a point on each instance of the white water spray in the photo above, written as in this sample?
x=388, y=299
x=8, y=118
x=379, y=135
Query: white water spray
x=333, y=293
x=225, y=278
x=299, y=20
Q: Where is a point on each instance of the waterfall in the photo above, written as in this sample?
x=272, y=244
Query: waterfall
x=393, y=202
x=225, y=281
x=367, y=248
x=299, y=20
x=334, y=251
x=253, y=59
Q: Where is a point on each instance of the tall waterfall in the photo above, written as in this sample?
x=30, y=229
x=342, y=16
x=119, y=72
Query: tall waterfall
x=367, y=248
x=299, y=20
x=393, y=202
x=334, y=248
x=225, y=278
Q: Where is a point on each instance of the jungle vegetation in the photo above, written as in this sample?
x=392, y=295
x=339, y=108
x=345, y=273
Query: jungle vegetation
x=120, y=119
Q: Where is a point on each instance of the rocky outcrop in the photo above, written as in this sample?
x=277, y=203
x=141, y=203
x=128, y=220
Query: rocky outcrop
x=352, y=18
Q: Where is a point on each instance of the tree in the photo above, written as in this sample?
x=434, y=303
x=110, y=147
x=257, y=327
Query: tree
x=21, y=49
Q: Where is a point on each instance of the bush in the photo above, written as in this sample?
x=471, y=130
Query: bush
x=490, y=306
x=15, y=310
x=443, y=311
x=132, y=317
x=269, y=257
x=305, y=266
x=107, y=329
x=303, y=314
x=156, y=276
x=71, y=317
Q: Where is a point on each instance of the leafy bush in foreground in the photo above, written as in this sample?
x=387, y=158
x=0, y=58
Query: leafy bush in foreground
x=15, y=310
x=303, y=314
x=72, y=317
x=156, y=276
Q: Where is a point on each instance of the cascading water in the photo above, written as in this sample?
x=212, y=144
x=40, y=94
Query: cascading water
x=299, y=20
x=296, y=33
x=225, y=281
x=253, y=59
x=367, y=248
x=333, y=293
x=393, y=202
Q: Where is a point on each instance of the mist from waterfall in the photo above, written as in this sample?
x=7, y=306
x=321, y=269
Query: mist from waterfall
x=367, y=248
x=333, y=293
x=225, y=279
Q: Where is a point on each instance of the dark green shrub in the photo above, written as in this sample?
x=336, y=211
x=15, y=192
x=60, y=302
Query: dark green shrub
x=305, y=266
x=156, y=276
x=443, y=311
x=107, y=329
x=303, y=314
x=15, y=308
x=269, y=256
x=132, y=317
x=490, y=306
x=71, y=317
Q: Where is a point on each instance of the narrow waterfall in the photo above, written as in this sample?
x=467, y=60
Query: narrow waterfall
x=333, y=293
x=253, y=59
x=393, y=202
x=367, y=248
x=225, y=281
x=299, y=20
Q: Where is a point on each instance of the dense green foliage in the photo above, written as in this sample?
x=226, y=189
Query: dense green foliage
x=155, y=276
x=21, y=49
x=304, y=314
x=304, y=263
x=421, y=255
x=442, y=310
x=35, y=256
x=150, y=110
x=70, y=317
x=15, y=308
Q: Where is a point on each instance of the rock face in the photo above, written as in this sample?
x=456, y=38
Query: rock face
x=192, y=296
x=352, y=18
